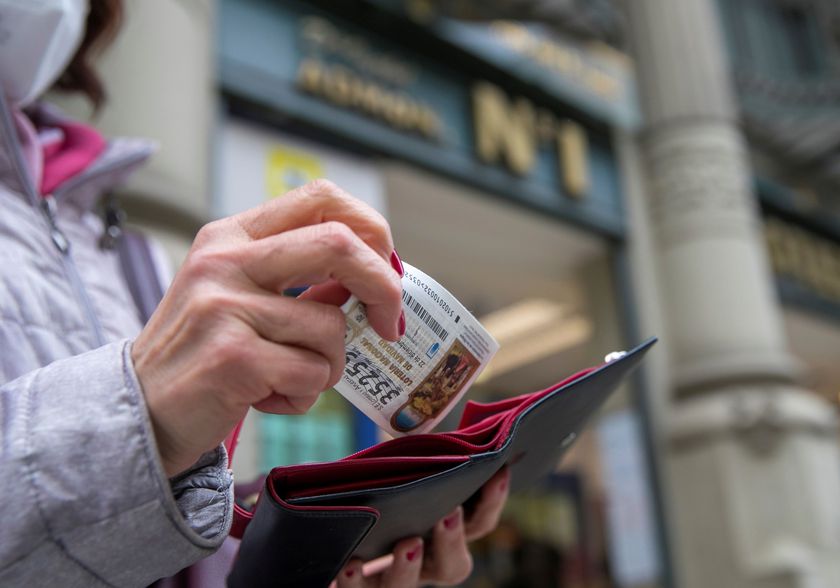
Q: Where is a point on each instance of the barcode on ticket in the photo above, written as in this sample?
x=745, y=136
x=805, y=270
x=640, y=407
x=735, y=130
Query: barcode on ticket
x=425, y=316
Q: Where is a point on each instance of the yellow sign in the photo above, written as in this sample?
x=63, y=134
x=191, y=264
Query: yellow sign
x=287, y=169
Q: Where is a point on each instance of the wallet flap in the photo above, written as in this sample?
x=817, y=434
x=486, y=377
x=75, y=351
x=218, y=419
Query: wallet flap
x=475, y=412
x=542, y=433
x=298, y=546
x=412, y=509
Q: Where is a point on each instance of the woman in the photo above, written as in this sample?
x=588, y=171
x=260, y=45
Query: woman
x=111, y=467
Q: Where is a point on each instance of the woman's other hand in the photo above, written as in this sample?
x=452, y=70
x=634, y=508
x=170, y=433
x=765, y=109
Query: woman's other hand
x=445, y=560
x=223, y=338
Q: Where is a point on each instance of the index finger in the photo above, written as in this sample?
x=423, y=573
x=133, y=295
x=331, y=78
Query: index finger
x=317, y=202
x=325, y=253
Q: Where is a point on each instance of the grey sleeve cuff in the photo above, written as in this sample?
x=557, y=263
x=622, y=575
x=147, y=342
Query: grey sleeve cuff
x=203, y=495
x=94, y=501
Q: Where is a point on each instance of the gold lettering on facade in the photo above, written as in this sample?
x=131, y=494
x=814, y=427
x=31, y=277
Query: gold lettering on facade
x=572, y=147
x=346, y=89
x=810, y=259
x=336, y=85
x=778, y=253
x=368, y=97
x=324, y=36
x=516, y=36
x=513, y=131
x=560, y=58
x=309, y=76
x=504, y=130
x=429, y=123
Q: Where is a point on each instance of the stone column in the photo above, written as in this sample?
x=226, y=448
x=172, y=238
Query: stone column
x=752, y=460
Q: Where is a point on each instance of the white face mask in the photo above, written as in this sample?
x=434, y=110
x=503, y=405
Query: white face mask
x=38, y=38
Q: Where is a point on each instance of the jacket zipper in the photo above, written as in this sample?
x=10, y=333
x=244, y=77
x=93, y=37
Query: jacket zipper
x=49, y=208
x=62, y=244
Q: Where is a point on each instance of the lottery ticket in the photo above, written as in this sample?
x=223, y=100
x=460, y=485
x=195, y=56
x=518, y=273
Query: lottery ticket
x=408, y=386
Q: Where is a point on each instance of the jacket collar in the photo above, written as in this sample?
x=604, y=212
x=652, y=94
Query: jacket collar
x=21, y=159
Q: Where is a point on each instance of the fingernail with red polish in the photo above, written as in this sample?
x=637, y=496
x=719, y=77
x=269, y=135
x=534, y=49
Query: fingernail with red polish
x=451, y=521
x=412, y=555
x=396, y=263
x=401, y=323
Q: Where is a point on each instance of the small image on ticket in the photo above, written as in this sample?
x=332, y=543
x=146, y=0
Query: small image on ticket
x=409, y=386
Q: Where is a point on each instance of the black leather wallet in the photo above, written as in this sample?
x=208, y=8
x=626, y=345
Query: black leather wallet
x=312, y=518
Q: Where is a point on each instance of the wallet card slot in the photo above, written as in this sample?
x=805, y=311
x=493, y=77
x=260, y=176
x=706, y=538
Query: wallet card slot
x=481, y=436
x=477, y=412
x=363, y=495
x=424, y=445
x=345, y=476
x=350, y=486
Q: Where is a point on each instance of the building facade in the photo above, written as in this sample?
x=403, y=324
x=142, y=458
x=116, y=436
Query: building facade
x=749, y=452
x=576, y=199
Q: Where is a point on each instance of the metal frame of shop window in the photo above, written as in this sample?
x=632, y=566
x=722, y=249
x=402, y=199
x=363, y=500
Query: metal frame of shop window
x=639, y=390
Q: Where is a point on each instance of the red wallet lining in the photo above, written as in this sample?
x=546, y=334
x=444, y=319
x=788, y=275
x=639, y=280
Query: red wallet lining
x=411, y=458
x=427, y=445
x=356, y=485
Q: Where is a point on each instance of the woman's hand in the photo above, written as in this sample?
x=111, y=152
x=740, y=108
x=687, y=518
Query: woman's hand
x=446, y=560
x=223, y=338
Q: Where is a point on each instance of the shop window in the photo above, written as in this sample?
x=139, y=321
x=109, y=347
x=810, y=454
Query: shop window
x=325, y=433
x=801, y=40
x=782, y=39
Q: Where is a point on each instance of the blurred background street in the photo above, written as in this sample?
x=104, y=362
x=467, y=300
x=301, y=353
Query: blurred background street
x=581, y=174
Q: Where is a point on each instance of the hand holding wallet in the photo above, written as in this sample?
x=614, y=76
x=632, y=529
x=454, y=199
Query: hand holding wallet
x=312, y=518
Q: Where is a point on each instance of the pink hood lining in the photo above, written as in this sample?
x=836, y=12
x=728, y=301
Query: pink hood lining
x=81, y=146
x=53, y=163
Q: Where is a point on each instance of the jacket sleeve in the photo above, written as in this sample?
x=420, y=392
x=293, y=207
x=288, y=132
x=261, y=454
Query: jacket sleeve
x=83, y=496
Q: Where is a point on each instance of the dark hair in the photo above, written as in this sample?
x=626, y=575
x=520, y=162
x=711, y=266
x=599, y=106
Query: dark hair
x=103, y=23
